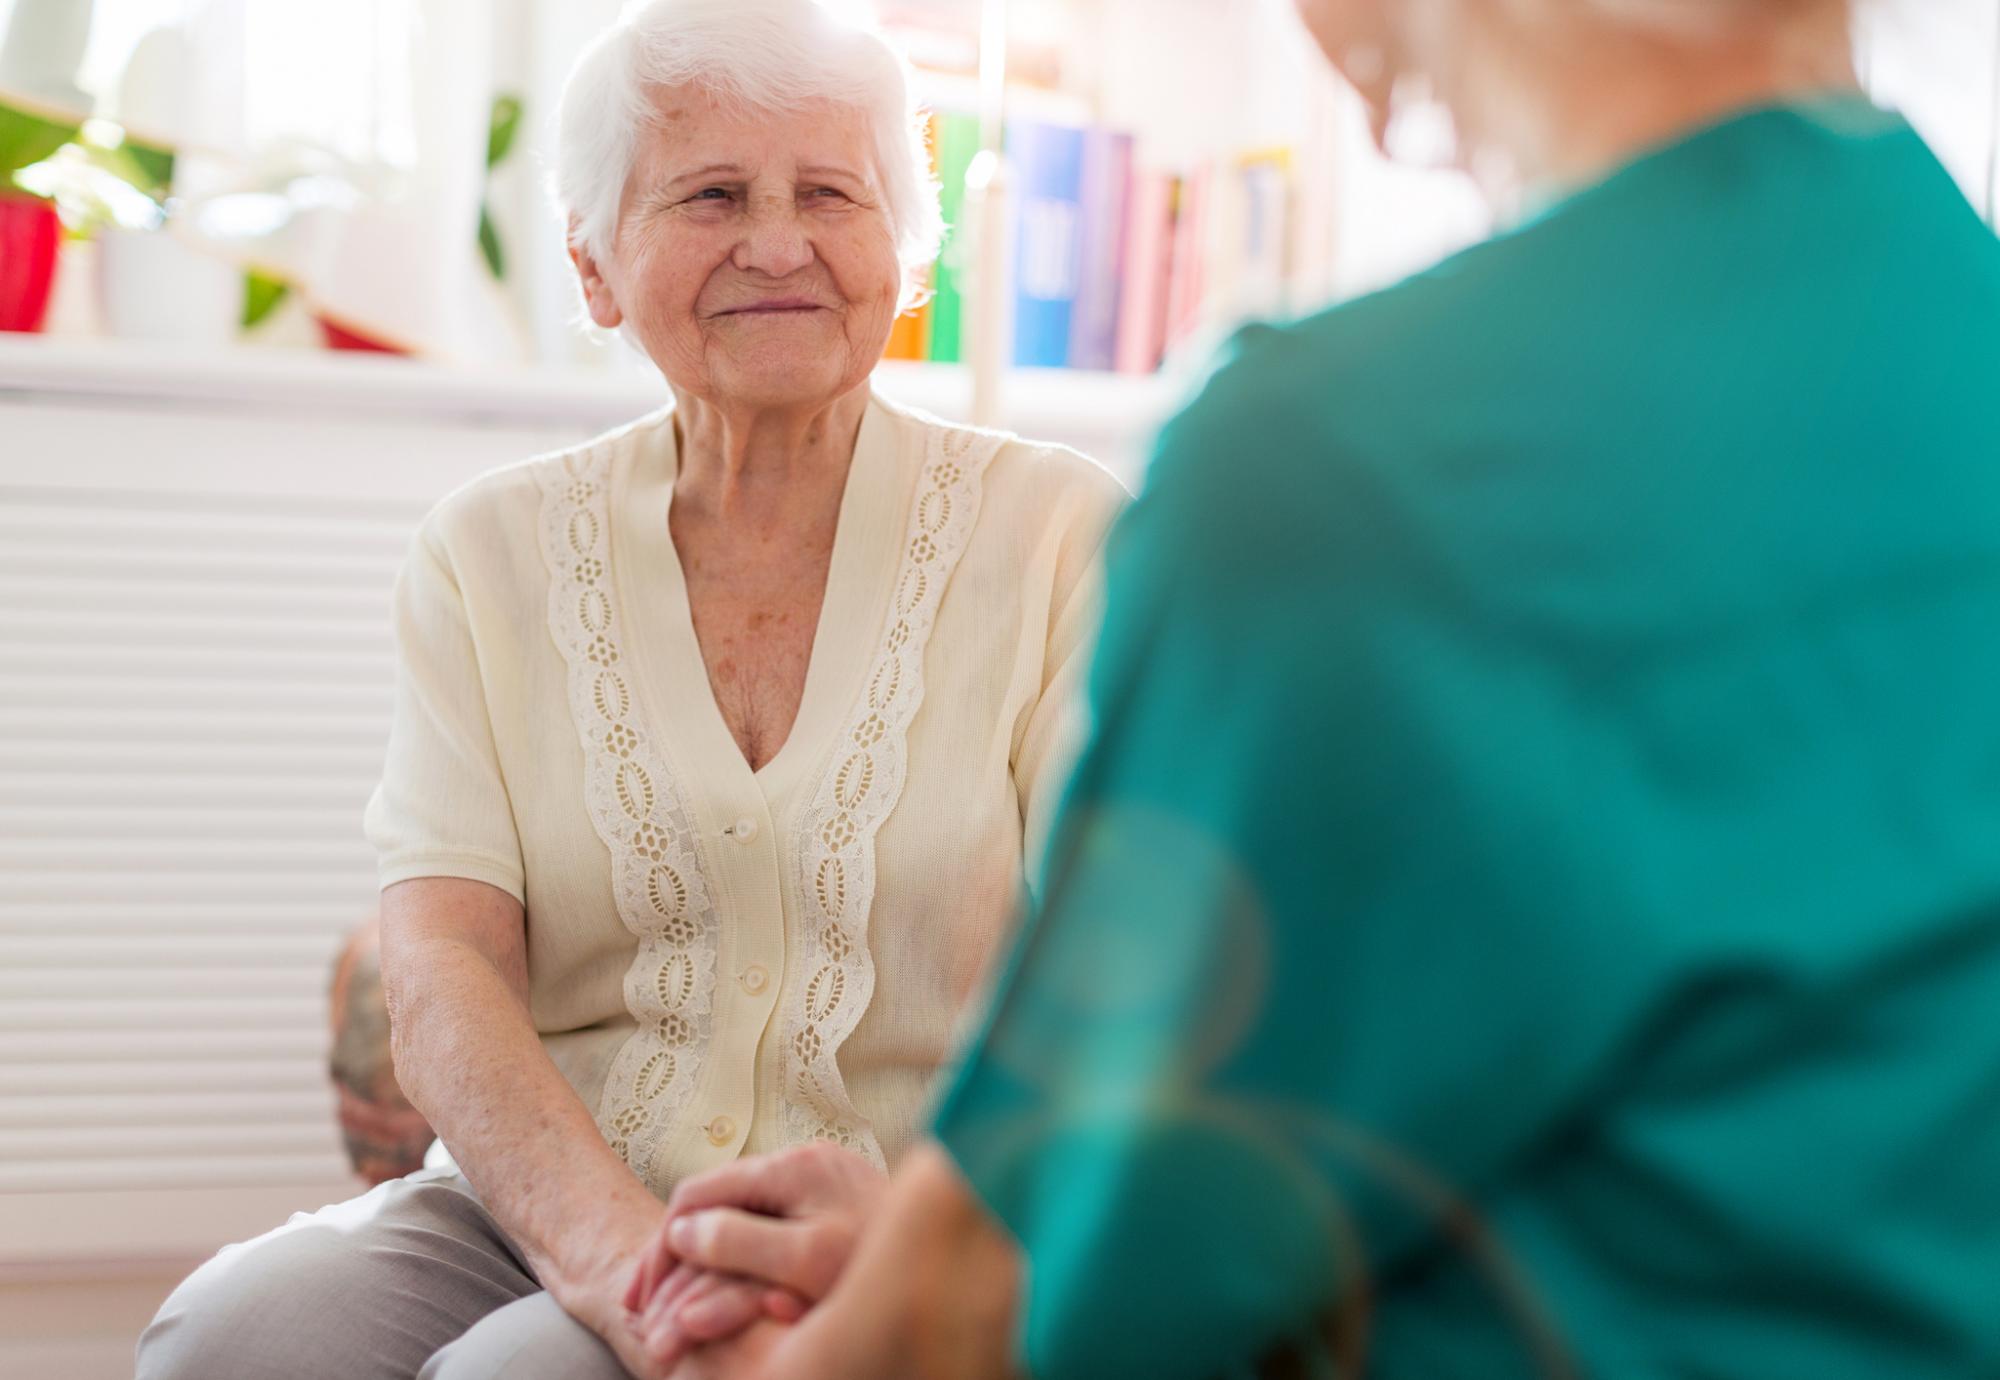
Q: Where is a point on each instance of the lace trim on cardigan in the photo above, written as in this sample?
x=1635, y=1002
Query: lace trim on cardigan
x=835, y=846
x=636, y=806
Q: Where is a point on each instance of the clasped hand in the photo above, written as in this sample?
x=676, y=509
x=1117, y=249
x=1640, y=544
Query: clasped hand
x=759, y=1238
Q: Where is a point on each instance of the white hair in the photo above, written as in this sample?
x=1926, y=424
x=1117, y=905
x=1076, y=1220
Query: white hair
x=768, y=55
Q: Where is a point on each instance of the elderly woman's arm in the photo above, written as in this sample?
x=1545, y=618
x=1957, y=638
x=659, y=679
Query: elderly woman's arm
x=454, y=965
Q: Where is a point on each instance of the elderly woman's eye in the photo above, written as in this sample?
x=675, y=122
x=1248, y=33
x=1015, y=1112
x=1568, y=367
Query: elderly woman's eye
x=825, y=193
x=711, y=194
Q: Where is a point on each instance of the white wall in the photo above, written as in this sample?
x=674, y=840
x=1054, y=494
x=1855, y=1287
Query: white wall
x=1938, y=61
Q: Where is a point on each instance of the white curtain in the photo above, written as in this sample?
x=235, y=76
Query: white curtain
x=373, y=116
x=339, y=144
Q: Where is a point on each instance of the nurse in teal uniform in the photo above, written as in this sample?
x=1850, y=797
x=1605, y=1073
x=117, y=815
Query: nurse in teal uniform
x=1531, y=906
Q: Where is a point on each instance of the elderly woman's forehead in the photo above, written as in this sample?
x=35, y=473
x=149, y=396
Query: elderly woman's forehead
x=695, y=111
x=693, y=129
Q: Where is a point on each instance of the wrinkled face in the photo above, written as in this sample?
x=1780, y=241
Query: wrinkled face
x=754, y=259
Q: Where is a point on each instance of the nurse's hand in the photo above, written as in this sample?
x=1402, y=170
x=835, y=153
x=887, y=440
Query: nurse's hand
x=762, y=1237
x=933, y=1291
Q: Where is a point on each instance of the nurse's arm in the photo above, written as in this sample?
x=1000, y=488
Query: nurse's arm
x=933, y=1290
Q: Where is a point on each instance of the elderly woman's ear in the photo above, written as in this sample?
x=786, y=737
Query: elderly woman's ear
x=597, y=295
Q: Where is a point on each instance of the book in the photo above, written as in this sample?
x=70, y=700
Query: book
x=957, y=144
x=1048, y=245
x=1106, y=185
x=1149, y=264
x=1264, y=251
x=910, y=337
x=1187, y=279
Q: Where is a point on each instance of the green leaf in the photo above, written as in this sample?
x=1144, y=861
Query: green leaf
x=262, y=295
x=489, y=244
x=138, y=168
x=505, y=125
x=155, y=165
x=27, y=139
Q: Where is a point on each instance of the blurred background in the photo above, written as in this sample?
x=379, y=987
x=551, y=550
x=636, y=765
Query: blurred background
x=277, y=274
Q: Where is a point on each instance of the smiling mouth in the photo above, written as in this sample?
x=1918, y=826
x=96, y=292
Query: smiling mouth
x=776, y=309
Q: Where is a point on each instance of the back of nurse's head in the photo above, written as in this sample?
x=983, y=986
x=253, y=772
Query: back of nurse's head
x=1519, y=74
x=759, y=55
x=1672, y=19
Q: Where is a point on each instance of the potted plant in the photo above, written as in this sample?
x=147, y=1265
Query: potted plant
x=151, y=283
x=503, y=126
x=30, y=230
x=42, y=43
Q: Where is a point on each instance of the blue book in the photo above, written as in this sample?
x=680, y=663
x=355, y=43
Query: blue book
x=1048, y=241
x=1107, y=190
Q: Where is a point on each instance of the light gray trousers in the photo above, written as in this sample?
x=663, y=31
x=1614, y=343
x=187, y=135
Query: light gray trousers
x=412, y=1279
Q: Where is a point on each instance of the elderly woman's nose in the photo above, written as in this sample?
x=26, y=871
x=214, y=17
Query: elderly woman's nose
x=775, y=240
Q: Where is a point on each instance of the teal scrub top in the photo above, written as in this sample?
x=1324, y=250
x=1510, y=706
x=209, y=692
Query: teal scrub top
x=1531, y=903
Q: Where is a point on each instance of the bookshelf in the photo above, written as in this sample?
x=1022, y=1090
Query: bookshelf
x=1218, y=101
x=1170, y=169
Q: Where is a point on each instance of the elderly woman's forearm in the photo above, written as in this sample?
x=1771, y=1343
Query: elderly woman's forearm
x=468, y=1056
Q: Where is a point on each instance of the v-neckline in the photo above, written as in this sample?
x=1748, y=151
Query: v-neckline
x=672, y=674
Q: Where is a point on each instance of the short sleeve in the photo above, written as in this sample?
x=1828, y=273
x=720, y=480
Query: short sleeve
x=1057, y=723
x=442, y=808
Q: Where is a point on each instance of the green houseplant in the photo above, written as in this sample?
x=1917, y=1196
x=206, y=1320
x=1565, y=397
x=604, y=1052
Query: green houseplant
x=30, y=230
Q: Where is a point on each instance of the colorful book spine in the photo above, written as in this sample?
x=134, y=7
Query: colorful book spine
x=1048, y=244
x=1149, y=266
x=1188, y=278
x=1265, y=250
x=910, y=337
x=957, y=144
x=1106, y=192
x=1114, y=265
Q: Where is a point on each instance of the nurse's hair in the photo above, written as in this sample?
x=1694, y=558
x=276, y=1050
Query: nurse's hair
x=1484, y=58
x=759, y=55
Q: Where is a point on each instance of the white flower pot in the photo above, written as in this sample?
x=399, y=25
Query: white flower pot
x=151, y=286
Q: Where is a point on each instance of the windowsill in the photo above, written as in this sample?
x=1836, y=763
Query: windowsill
x=295, y=382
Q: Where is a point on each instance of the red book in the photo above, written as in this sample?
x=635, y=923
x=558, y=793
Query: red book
x=1149, y=268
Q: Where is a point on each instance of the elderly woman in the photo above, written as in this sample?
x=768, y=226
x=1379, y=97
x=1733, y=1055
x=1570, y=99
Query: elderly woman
x=720, y=740
x=1531, y=903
